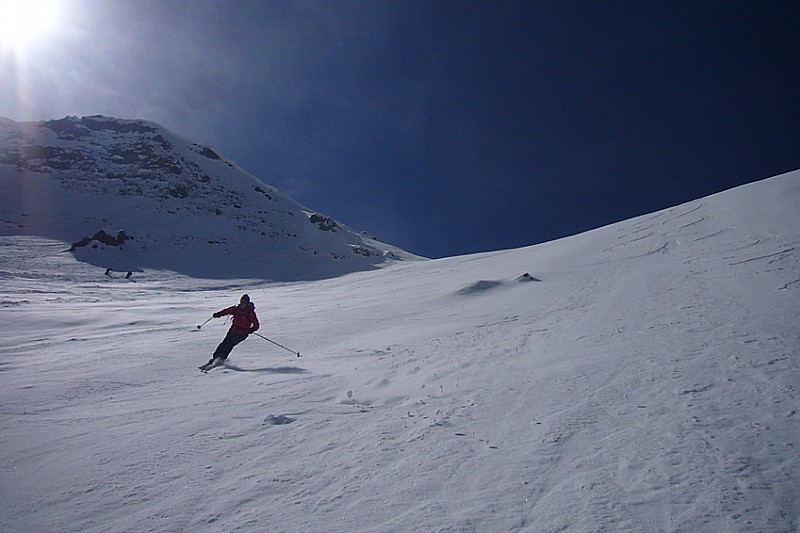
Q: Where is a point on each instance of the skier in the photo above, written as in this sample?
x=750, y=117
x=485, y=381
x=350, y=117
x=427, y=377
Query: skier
x=245, y=322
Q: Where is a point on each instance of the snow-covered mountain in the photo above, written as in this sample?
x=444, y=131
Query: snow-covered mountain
x=131, y=195
x=640, y=377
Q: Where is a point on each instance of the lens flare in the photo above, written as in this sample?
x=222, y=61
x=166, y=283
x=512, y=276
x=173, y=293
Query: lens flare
x=24, y=21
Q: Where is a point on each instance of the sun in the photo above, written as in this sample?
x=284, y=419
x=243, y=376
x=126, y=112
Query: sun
x=24, y=21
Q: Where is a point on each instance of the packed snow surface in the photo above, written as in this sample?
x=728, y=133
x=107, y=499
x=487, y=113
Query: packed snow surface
x=641, y=377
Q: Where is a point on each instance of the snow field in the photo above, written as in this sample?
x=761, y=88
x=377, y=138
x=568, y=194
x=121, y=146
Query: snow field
x=648, y=382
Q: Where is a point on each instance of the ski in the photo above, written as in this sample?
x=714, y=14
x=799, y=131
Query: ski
x=211, y=364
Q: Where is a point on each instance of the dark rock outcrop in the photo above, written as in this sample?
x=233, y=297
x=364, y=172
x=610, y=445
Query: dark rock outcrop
x=324, y=223
x=103, y=238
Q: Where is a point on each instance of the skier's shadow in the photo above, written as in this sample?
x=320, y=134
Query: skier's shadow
x=268, y=370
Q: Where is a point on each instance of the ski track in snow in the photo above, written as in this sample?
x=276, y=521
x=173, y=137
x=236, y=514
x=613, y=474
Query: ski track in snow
x=647, y=383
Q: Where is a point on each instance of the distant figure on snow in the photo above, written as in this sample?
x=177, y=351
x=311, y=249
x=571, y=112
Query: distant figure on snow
x=245, y=322
x=128, y=275
x=108, y=271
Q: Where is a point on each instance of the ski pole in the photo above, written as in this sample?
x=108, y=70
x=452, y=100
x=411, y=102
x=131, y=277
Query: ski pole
x=276, y=344
x=204, y=323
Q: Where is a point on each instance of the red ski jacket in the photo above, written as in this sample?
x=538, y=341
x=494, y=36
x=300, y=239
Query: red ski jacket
x=245, y=320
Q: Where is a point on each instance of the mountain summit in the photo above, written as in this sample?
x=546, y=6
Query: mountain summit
x=130, y=195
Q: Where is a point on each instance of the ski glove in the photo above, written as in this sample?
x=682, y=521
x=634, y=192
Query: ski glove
x=252, y=330
x=216, y=315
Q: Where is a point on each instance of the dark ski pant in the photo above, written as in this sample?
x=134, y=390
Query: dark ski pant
x=227, y=344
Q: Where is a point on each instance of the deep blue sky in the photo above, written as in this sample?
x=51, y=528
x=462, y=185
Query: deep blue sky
x=444, y=127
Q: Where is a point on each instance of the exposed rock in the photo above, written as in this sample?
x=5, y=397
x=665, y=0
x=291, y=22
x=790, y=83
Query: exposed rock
x=179, y=191
x=98, y=122
x=262, y=191
x=209, y=153
x=324, y=223
x=102, y=237
x=68, y=128
x=366, y=252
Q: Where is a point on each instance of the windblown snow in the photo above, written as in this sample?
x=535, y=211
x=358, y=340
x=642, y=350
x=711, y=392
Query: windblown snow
x=641, y=377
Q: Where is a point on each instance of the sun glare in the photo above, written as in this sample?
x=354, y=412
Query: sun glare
x=23, y=21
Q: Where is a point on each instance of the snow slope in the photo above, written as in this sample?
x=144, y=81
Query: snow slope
x=181, y=205
x=647, y=382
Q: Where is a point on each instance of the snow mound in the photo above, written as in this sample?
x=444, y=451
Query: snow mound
x=483, y=286
x=278, y=420
x=525, y=278
x=480, y=287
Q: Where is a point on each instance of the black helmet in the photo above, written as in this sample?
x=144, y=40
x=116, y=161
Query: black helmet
x=245, y=298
